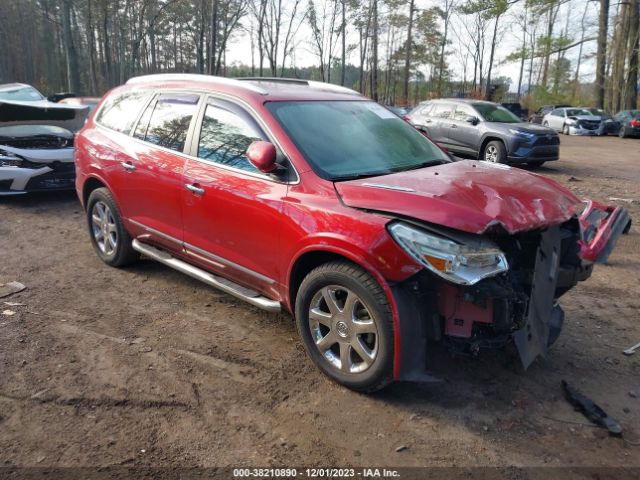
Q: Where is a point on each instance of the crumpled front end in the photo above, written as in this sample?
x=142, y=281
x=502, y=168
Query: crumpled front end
x=35, y=157
x=521, y=304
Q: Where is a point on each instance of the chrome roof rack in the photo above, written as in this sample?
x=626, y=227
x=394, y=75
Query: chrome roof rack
x=329, y=87
x=194, y=77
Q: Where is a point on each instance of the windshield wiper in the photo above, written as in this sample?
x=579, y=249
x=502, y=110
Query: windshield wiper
x=419, y=166
x=357, y=176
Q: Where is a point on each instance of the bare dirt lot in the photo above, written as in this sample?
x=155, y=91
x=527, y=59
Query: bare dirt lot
x=147, y=367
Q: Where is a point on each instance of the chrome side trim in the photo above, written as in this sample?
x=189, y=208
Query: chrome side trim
x=210, y=257
x=388, y=187
x=249, y=296
x=156, y=232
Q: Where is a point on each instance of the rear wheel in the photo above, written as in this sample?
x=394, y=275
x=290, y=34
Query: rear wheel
x=345, y=322
x=109, y=238
x=495, y=152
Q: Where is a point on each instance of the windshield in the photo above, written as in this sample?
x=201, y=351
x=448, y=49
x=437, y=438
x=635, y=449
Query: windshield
x=343, y=140
x=22, y=94
x=571, y=112
x=495, y=113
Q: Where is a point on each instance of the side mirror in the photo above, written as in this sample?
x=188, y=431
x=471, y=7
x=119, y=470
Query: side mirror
x=262, y=155
x=473, y=120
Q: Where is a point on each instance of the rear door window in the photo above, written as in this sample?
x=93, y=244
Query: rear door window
x=225, y=136
x=442, y=110
x=120, y=112
x=166, y=121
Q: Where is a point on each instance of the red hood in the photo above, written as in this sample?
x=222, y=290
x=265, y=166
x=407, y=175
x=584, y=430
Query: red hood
x=468, y=195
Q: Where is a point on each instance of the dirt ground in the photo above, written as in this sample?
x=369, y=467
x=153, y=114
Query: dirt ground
x=147, y=367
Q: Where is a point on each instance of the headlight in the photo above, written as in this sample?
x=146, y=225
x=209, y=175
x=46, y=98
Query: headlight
x=522, y=134
x=8, y=159
x=455, y=262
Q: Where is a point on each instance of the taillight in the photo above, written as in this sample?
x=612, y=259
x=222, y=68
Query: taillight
x=635, y=123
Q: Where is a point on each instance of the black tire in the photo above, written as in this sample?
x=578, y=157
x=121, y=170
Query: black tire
x=495, y=147
x=545, y=124
x=123, y=253
x=565, y=129
x=371, y=296
x=622, y=133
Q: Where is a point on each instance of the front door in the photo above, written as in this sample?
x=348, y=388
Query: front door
x=231, y=210
x=463, y=136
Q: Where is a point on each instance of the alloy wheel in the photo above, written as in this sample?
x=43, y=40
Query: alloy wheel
x=104, y=228
x=343, y=329
x=491, y=154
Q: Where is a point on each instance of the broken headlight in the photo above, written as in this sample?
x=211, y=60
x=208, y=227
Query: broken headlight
x=453, y=261
x=8, y=159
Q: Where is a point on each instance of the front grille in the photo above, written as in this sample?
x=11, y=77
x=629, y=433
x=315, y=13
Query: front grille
x=55, y=180
x=549, y=139
x=43, y=142
x=589, y=124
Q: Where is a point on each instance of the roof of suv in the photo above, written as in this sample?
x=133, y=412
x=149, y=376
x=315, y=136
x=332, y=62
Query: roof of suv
x=460, y=100
x=275, y=89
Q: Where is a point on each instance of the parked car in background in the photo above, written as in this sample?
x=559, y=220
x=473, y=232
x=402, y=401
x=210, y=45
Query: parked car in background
x=486, y=131
x=609, y=126
x=573, y=121
x=402, y=112
x=36, y=140
x=89, y=102
x=517, y=110
x=629, y=123
x=360, y=226
x=537, y=116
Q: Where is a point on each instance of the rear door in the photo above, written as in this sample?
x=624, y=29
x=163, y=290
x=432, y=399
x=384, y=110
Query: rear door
x=232, y=211
x=154, y=194
x=464, y=136
x=440, y=120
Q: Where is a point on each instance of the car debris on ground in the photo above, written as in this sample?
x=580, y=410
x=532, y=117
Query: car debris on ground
x=10, y=288
x=631, y=350
x=591, y=410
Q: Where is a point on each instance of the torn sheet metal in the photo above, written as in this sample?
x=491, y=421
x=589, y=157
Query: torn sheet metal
x=533, y=339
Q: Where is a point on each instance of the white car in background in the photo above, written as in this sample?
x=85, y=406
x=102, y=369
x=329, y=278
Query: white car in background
x=36, y=141
x=573, y=121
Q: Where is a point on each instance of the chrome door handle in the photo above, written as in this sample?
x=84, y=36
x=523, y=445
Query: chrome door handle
x=194, y=189
x=129, y=167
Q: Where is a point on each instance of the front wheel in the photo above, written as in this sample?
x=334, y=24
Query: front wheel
x=345, y=322
x=495, y=152
x=622, y=133
x=109, y=238
x=565, y=129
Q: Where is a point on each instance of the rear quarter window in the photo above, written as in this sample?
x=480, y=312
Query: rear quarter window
x=120, y=112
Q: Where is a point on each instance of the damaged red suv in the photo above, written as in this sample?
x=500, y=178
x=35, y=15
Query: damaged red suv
x=310, y=198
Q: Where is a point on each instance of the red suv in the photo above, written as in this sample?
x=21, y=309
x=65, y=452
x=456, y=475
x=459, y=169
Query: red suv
x=310, y=198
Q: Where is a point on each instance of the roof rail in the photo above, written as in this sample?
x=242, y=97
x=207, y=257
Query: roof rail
x=299, y=81
x=274, y=80
x=194, y=77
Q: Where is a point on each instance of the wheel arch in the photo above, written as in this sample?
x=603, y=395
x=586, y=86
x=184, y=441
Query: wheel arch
x=90, y=184
x=490, y=138
x=315, y=256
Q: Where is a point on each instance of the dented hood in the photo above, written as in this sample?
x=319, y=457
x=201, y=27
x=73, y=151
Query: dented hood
x=468, y=195
x=42, y=112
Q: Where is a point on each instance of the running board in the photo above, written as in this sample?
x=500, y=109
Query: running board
x=238, y=291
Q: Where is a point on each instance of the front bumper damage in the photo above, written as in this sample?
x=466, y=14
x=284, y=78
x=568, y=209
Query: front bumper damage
x=38, y=169
x=519, y=306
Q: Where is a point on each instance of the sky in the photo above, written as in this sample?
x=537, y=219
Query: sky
x=569, y=18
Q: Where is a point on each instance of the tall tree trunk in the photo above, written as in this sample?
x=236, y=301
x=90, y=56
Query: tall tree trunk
x=344, y=42
x=374, y=61
x=487, y=93
x=73, y=73
x=407, y=57
x=524, y=48
x=213, y=70
x=631, y=90
x=601, y=55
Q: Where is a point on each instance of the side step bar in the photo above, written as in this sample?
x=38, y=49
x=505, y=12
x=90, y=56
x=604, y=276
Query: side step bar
x=238, y=291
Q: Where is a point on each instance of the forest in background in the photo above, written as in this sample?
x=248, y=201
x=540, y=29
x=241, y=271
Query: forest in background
x=397, y=52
